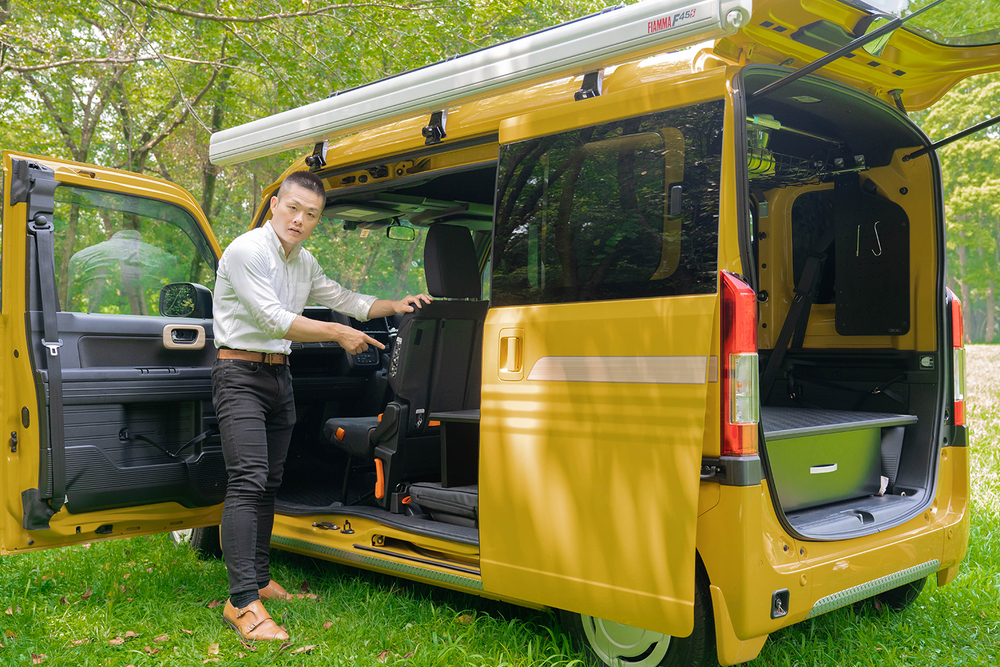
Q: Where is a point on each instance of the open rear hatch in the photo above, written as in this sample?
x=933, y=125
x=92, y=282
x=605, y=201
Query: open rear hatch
x=912, y=67
x=853, y=388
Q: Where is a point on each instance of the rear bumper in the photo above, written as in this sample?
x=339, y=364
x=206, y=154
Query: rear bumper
x=749, y=556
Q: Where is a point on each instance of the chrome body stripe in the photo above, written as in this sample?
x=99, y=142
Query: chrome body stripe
x=381, y=563
x=632, y=370
x=868, y=589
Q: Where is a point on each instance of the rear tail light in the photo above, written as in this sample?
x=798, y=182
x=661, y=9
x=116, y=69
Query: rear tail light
x=740, y=377
x=958, y=358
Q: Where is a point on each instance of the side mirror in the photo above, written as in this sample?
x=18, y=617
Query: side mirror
x=398, y=232
x=186, y=300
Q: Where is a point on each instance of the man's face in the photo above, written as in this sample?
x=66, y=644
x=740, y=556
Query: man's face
x=295, y=214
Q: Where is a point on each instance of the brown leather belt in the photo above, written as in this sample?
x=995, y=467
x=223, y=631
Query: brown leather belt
x=275, y=358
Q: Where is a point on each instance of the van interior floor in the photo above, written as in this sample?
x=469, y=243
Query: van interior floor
x=858, y=515
x=835, y=471
x=312, y=485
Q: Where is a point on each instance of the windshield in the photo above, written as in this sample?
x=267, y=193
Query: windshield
x=366, y=261
x=952, y=23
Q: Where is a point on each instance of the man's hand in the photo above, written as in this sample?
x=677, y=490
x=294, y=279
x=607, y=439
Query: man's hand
x=387, y=307
x=355, y=341
x=409, y=302
x=307, y=330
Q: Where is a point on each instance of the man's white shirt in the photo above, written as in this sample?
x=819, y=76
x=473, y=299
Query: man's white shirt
x=259, y=292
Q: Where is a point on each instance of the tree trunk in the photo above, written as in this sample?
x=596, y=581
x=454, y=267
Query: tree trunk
x=990, y=311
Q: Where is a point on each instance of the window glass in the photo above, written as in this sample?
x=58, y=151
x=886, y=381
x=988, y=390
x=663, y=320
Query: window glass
x=114, y=252
x=624, y=210
x=367, y=261
x=951, y=24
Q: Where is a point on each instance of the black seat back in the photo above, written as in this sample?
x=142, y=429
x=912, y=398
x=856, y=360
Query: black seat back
x=436, y=362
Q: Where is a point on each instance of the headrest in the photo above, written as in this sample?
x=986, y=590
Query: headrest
x=450, y=263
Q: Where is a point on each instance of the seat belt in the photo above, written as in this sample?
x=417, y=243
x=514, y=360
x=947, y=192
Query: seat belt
x=794, y=329
x=41, y=228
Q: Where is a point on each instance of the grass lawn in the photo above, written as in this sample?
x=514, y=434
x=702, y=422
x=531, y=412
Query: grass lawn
x=82, y=606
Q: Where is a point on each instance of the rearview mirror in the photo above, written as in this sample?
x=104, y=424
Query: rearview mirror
x=186, y=300
x=398, y=232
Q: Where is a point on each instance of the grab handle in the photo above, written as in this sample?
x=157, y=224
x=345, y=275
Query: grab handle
x=184, y=337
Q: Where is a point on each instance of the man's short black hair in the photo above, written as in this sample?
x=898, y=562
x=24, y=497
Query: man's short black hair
x=303, y=179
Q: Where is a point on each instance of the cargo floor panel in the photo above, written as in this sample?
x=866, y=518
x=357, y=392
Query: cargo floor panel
x=784, y=423
x=825, y=457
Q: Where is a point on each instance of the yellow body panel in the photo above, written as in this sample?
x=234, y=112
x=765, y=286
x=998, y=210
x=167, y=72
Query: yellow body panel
x=19, y=470
x=744, y=523
x=573, y=472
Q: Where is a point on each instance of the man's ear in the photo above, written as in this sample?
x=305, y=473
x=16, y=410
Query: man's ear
x=274, y=203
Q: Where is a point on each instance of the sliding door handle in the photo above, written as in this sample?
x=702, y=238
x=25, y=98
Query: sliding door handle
x=511, y=362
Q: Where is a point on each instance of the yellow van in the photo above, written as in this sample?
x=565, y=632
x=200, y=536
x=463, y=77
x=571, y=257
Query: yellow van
x=692, y=375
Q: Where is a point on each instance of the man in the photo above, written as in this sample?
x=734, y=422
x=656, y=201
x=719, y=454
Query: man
x=264, y=281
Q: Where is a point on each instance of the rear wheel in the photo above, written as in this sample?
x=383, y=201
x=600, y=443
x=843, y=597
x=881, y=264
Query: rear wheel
x=617, y=645
x=205, y=542
x=901, y=597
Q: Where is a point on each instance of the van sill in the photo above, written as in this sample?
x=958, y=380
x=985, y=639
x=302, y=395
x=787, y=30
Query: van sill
x=868, y=589
x=380, y=563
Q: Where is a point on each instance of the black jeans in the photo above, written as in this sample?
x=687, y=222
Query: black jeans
x=256, y=415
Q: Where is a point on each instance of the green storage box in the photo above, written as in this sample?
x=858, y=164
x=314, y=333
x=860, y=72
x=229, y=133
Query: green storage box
x=825, y=456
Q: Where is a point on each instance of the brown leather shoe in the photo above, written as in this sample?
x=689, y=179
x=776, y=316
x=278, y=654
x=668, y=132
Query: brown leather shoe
x=274, y=591
x=253, y=622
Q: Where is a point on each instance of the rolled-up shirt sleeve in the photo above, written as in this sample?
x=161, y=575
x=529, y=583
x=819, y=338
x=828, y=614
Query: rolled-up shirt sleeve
x=333, y=295
x=248, y=273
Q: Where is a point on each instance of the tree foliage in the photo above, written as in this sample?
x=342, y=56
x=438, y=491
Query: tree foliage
x=971, y=172
x=141, y=85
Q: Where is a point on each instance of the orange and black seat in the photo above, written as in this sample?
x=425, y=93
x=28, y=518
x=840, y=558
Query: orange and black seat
x=435, y=365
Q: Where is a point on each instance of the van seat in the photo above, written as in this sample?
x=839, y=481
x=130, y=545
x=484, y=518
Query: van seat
x=435, y=365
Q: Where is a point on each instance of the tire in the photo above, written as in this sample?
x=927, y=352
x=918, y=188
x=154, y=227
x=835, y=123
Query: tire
x=205, y=542
x=901, y=597
x=617, y=645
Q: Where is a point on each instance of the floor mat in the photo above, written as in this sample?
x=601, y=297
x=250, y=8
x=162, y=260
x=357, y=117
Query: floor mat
x=312, y=494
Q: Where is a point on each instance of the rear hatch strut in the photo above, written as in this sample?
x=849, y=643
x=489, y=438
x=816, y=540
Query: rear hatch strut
x=835, y=55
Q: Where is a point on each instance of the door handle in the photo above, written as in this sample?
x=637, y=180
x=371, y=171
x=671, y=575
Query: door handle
x=184, y=337
x=511, y=362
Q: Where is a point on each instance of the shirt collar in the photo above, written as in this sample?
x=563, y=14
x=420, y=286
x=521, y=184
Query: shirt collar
x=272, y=237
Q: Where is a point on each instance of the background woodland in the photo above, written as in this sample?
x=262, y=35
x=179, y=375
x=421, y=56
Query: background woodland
x=140, y=85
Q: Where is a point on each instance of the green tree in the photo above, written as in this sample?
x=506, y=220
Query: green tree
x=971, y=172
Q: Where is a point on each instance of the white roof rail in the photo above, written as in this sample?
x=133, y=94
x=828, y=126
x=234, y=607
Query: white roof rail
x=567, y=49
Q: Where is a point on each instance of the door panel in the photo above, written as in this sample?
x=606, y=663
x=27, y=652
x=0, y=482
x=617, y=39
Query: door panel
x=589, y=486
x=919, y=62
x=597, y=366
x=141, y=451
x=121, y=382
